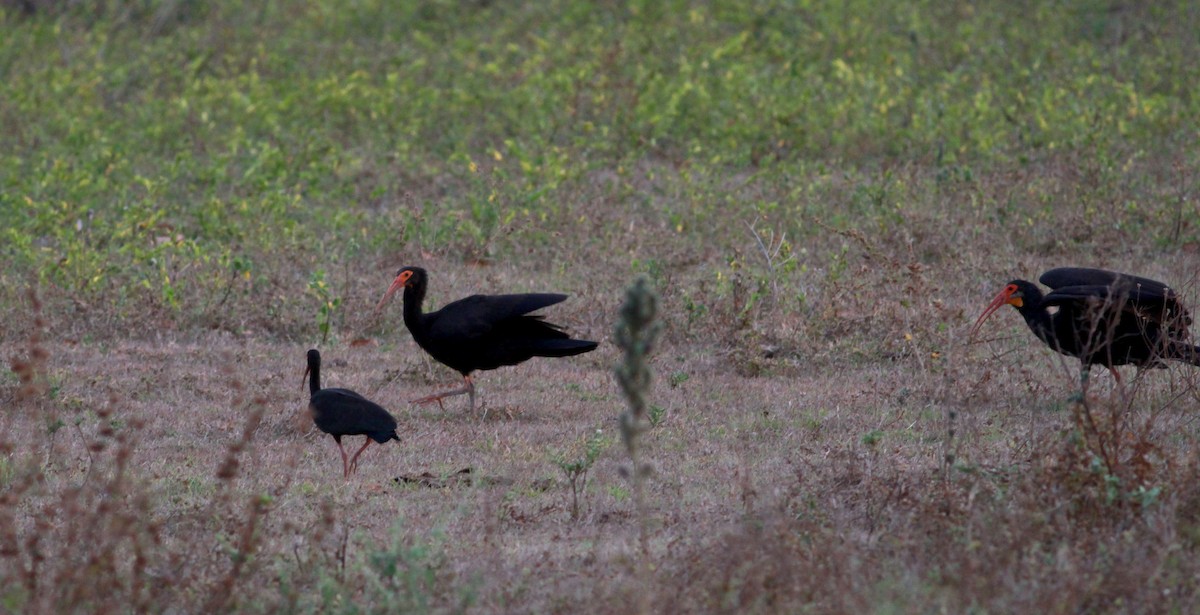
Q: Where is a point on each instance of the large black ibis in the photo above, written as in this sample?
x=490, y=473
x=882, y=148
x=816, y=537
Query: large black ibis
x=481, y=331
x=1103, y=317
x=342, y=412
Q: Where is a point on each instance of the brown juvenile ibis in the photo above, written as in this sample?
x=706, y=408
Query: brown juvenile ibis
x=1103, y=317
x=342, y=412
x=481, y=331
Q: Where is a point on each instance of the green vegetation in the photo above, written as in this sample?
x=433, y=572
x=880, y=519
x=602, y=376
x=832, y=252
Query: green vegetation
x=576, y=462
x=183, y=159
x=820, y=193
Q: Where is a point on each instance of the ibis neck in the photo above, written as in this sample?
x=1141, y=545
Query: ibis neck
x=414, y=296
x=314, y=379
x=1040, y=321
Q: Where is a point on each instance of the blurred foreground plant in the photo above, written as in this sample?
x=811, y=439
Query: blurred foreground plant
x=636, y=333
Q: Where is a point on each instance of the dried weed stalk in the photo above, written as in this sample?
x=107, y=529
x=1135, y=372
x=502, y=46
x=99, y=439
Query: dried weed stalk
x=98, y=541
x=31, y=370
x=243, y=532
x=90, y=546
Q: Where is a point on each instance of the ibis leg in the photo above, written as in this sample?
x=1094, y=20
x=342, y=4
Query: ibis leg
x=470, y=391
x=354, y=459
x=345, y=465
x=467, y=388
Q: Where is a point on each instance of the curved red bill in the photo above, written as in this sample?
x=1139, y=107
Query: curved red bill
x=397, y=284
x=1004, y=297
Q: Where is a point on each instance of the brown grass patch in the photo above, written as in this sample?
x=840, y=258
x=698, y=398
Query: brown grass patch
x=834, y=445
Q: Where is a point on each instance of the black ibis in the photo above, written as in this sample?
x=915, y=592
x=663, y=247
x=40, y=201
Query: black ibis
x=1103, y=318
x=481, y=331
x=342, y=412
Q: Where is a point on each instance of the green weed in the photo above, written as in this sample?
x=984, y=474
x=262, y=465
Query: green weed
x=576, y=465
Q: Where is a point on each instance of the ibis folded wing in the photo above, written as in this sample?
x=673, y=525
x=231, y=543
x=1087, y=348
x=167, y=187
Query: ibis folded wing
x=479, y=316
x=344, y=412
x=1149, y=305
x=1063, y=277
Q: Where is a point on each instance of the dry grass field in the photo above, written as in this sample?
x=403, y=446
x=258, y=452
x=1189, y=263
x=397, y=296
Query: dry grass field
x=846, y=474
x=824, y=436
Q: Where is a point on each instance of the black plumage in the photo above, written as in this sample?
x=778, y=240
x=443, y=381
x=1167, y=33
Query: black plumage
x=1103, y=318
x=481, y=331
x=342, y=412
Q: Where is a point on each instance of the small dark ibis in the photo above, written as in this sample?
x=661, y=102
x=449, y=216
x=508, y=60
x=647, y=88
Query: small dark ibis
x=342, y=412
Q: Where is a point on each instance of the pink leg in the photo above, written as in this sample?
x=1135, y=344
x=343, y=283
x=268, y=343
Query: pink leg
x=468, y=387
x=354, y=459
x=345, y=467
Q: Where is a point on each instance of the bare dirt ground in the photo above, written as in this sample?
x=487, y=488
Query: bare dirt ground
x=951, y=479
x=826, y=439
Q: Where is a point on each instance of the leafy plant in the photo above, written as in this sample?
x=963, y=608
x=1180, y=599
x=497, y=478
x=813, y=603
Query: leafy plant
x=656, y=415
x=575, y=466
x=328, y=303
x=677, y=378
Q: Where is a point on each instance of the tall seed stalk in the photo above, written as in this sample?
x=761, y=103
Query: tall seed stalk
x=636, y=332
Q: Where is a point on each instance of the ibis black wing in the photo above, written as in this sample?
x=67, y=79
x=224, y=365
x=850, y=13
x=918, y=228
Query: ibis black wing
x=1142, y=294
x=1063, y=277
x=478, y=315
x=343, y=412
x=1147, y=305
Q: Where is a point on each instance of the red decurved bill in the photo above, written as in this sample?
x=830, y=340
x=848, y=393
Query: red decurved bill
x=1004, y=297
x=397, y=284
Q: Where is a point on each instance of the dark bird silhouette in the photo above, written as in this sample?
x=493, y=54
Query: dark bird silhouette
x=481, y=331
x=342, y=412
x=1103, y=318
